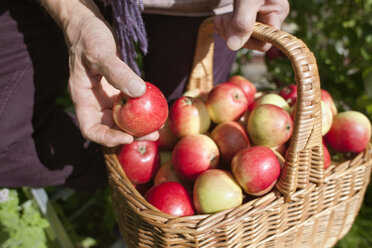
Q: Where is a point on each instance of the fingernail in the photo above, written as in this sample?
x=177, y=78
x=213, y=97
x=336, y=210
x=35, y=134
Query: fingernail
x=136, y=87
x=234, y=42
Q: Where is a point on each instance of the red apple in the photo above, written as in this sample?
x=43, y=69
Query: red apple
x=189, y=116
x=327, y=99
x=256, y=169
x=142, y=115
x=230, y=137
x=350, y=132
x=327, y=157
x=327, y=118
x=289, y=93
x=193, y=155
x=171, y=198
x=226, y=102
x=216, y=190
x=247, y=86
x=140, y=160
x=167, y=139
x=269, y=125
x=166, y=173
x=275, y=99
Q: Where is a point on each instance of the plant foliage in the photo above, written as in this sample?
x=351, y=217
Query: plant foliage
x=21, y=225
x=339, y=33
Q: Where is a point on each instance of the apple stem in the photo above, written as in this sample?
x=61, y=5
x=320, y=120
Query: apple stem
x=212, y=158
x=142, y=150
x=236, y=96
x=123, y=101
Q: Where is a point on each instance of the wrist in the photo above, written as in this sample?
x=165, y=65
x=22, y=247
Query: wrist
x=71, y=15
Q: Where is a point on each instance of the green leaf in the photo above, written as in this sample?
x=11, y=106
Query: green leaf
x=88, y=242
x=367, y=80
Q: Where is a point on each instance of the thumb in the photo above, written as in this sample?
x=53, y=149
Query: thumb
x=121, y=76
x=243, y=20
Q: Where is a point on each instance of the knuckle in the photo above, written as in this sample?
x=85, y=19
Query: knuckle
x=93, y=51
x=85, y=133
x=242, y=25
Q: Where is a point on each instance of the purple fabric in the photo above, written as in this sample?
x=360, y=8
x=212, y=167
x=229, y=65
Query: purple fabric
x=130, y=30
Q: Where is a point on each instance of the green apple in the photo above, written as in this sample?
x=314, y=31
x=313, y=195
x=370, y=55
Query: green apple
x=216, y=190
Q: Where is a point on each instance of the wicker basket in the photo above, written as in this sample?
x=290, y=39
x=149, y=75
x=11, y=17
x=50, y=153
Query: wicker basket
x=310, y=207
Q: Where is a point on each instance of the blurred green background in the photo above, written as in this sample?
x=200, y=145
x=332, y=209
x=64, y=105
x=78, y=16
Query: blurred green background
x=339, y=33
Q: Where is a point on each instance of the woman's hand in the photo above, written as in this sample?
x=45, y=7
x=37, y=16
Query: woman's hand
x=236, y=28
x=97, y=74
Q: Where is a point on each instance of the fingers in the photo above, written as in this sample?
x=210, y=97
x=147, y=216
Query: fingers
x=152, y=137
x=99, y=53
x=106, y=136
x=272, y=13
x=243, y=19
x=254, y=44
x=98, y=126
x=118, y=74
x=237, y=28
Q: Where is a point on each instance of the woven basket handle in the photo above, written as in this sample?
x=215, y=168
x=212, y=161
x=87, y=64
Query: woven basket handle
x=304, y=158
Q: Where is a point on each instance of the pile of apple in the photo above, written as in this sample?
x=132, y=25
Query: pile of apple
x=220, y=148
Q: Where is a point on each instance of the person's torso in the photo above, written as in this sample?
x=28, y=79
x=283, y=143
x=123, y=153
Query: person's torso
x=188, y=7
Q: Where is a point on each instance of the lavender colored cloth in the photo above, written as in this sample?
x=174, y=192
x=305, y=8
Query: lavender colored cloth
x=129, y=29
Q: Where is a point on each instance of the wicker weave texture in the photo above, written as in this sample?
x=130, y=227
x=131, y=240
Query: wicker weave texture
x=317, y=216
x=311, y=207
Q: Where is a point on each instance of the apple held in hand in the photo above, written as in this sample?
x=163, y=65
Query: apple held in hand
x=189, y=116
x=350, y=132
x=193, y=155
x=256, y=169
x=143, y=115
x=140, y=160
x=289, y=93
x=226, y=102
x=246, y=85
x=269, y=125
x=171, y=198
x=230, y=137
x=216, y=190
